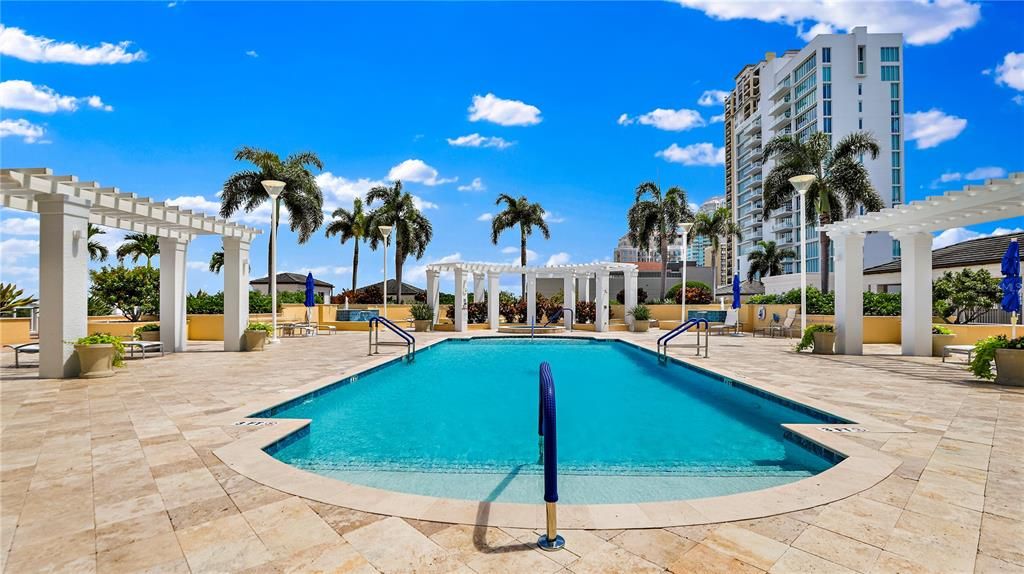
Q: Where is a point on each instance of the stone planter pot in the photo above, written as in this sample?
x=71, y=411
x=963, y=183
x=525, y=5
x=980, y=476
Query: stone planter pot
x=149, y=335
x=1010, y=367
x=95, y=361
x=824, y=343
x=940, y=341
x=422, y=326
x=255, y=340
x=641, y=326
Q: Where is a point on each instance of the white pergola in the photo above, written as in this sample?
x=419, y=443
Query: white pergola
x=912, y=224
x=570, y=274
x=66, y=206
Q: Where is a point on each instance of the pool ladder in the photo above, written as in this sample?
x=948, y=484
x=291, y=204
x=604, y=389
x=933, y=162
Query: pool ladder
x=547, y=431
x=664, y=339
x=407, y=340
x=559, y=315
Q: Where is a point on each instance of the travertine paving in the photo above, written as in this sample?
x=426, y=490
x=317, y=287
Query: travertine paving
x=119, y=475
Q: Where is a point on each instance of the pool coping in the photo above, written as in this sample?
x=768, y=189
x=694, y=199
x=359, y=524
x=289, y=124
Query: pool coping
x=862, y=468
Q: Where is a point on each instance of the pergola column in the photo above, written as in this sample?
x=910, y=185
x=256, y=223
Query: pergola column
x=63, y=283
x=493, y=299
x=629, y=297
x=531, y=298
x=173, y=333
x=916, y=293
x=236, y=293
x=461, y=319
x=849, y=285
x=433, y=287
x=601, y=302
x=584, y=286
x=478, y=287
x=569, y=299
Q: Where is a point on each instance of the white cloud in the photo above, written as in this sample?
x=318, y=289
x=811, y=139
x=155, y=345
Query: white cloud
x=477, y=140
x=196, y=203
x=16, y=43
x=560, y=258
x=172, y=4
x=694, y=154
x=325, y=270
x=960, y=234
x=666, y=119
x=922, y=22
x=19, y=226
x=933, y=127
x=340, y=191
x=476, y=185
x=200, y=204
x=1011, y=71
x=503, y=112
x=422, y=204
x=13, y=250
x=990, y=172
x=22, y=95
x=531, y=255
x=712, y=98
x=1018, y=99
x=417, y=171
x=418, y=273
x=21, y=128
x=485, y=217
x=551, y=217
x=198, y=265
x=252, y=54
x=718, y=119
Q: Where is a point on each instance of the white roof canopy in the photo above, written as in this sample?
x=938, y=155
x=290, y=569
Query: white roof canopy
x=22, y=188
x=540, y=271
x=996, y=199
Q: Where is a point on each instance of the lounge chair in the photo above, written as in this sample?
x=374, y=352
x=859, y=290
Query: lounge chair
x=950, y=350
x=787, y=325
x=29, y=348
x=732, y=322
x=144, y=346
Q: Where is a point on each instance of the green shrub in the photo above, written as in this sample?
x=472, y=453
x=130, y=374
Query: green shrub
x=134, y=291
x=807, y=341
x=421, y=312
x=940, y=330
x=985, y=353
x=147, y=328
x=882, y=304
x=265, y=327
x=203, y=303
x=106, y=339
x=299, y=297
x=641, y=312
x=586, y=312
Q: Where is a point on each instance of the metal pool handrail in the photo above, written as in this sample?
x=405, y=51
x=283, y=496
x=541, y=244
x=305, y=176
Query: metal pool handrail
x=558, y=315
x=664, y=339
x=408, y=340
x=546, y=429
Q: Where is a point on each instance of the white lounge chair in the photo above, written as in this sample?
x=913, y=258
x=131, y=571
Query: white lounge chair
x=732, y=322
x=787, y=325
x=950, y=350
x=144, y=346
x=29, y=348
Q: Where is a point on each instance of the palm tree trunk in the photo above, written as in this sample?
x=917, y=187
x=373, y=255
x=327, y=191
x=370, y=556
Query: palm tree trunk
x=823, y=247
x=355, y=264
x=714, y=267
x=664, y=266
x=522, y=256
x=399, y=260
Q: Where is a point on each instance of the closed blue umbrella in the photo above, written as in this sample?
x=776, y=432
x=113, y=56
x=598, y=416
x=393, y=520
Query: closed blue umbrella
x=310, y=295
x=736, y=291
x=1011, y=282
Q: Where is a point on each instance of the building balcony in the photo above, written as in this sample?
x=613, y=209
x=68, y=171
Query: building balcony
x=781, y=106
x=780, y=90
x=782, y=121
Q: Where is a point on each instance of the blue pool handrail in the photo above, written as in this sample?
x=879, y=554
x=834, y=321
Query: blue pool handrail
x=679, y=330
x=407, y=339
x=547, y=430
x=558, y=315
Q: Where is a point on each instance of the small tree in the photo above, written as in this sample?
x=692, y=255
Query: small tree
x=965, y=294
x=132, y=291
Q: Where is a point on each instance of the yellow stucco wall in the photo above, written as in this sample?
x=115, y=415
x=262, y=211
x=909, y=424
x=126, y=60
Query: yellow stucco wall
x=971, y=334
x=14, y=330
x=120, y=328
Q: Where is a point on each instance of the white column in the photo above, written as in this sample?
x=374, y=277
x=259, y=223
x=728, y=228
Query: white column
x=629, y=297
x=63, y=283
x=531, y=298
x=461, y=318
x=173, y=335
x=433, y=289
x=916, y=293
x=584, y=283
x=569, y=300
x=236, y=293
x=601, y=302
x=478, y=287
x=849, y=287
x=493, y=299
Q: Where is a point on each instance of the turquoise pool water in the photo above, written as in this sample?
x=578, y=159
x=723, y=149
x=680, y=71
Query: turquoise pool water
x=461, y=422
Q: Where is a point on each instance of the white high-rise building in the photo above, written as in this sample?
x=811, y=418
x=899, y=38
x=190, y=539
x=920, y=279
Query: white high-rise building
x=697, y=245
x=837, y=84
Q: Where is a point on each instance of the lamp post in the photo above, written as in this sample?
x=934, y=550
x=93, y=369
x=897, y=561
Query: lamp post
x=385, y=232
x=274, y=189
x=802, y=183
x=686, y=229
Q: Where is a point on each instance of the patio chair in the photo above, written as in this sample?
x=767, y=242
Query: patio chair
x=786, y=327
x=143, y=346
x=767, y=329
x=950, y=350
x=29, y=348
x=732, y=322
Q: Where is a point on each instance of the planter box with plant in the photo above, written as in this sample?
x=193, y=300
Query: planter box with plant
x=641, y=318
x=1008, y=355
x=819, y=338
x=149, y=332
x=941, y=336
x=256, y=336
x=98, y=354
x=422, y=316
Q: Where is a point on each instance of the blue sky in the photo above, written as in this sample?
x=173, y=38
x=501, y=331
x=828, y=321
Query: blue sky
x=378, y=90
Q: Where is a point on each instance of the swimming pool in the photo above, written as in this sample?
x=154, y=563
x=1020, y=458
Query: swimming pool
x=461, y=422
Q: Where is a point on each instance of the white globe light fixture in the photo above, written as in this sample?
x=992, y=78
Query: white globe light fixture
x=682, y=300
x=274, y=189
x=385, y=232
x=802, y=183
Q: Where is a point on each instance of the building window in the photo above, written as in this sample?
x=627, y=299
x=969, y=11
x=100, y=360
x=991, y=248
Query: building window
x=897, y=195
x=895, y=123
x=860, y=106
x=826, y=108
x=895, y=248
x=804, y=68
x=894, y=91
x=895, y=177
x=895, y=141
x=860, y=89
x=826, y=55
x=826, y=91
x=828, y=125
x=890, y=73
x=826, y=74
x=890, y=54
x=804, y=86
x=894, y=107
x=895, y=159
x=860, y=60
x=860, y=123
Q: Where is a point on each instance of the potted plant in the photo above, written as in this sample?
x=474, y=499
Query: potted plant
x=641, y=318
x=941, y=336
x=422, y=316
x=150, y=332
x=821, y=338
x=98, y=354
x=256, y=336
x=1008, y=355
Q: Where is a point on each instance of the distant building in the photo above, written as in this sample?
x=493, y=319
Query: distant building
x=293, y=282
x=626, y=253
x=699, y=247
x=409, y=292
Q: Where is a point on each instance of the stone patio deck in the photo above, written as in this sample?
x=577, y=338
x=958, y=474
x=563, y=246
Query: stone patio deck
x=119, y=475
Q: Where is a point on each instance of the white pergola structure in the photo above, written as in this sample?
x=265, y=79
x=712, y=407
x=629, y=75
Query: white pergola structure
x=66, y=206
x=912, y=225
x=570, y=274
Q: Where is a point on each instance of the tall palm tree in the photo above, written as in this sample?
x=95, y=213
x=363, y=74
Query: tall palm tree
x=841, y=180
x=519, y=212
x=716, y=226
x=216, y=261
x=766, y=259
x=97, y=251
x=350, y=225
x=657, y=219
x=411, y=230
x=301, y=196
x=139, y=245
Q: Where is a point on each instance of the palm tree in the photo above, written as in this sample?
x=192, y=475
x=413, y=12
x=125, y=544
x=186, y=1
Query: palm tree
x=766, y=259
x=301, y=196
x=716, y=226
x=97, y=251
x=519, y=212
x=350, y=225
x=841, y=180
x=411, y=229
x=139, y=245
x=216, y=261
x=657, y=219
